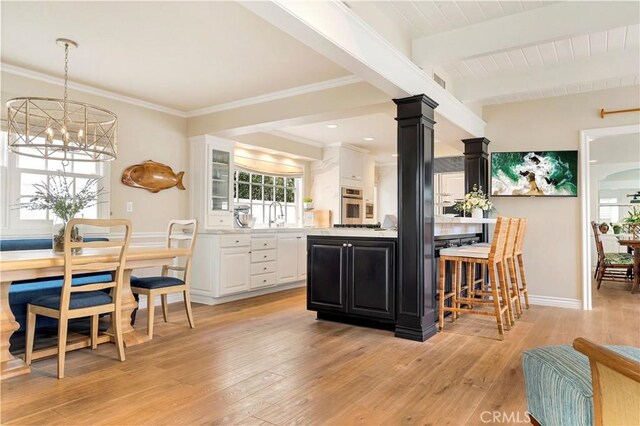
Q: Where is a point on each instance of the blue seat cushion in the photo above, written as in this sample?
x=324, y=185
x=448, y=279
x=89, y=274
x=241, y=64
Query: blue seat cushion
x=155, y=282
x=558, y=384
x=34, y=243
x=23, y=292
x=77, y=300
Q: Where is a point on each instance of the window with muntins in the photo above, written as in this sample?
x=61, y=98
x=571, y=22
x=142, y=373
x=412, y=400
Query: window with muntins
x=259, y=191
x=24, y=171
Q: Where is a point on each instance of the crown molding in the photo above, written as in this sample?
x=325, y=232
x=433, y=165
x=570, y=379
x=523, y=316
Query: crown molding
x=281, y=94
x=35, y=75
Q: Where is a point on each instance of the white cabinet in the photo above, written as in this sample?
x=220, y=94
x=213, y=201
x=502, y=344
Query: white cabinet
x=239, y=264
x=351, y=164
x=302, y=257
x=235, y=264
x=292, y=258
x=287, y=264
x=211, y=181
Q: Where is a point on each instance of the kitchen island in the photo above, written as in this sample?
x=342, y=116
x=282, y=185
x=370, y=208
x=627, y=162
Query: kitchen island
x=352, y=273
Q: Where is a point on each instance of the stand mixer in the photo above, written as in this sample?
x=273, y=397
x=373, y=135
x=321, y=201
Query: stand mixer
x=242, y=214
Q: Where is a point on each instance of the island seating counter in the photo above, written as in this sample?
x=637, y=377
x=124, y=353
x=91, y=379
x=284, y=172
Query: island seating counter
x=352, y=274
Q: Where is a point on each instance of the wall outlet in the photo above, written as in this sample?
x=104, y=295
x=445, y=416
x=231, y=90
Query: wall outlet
x=129, y=206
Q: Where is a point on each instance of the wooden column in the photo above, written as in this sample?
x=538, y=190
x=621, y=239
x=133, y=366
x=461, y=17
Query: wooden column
x=476, y=163
x=416, y=266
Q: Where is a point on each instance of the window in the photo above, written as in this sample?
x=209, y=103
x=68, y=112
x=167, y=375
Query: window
x=23, y=172
x=259, y=191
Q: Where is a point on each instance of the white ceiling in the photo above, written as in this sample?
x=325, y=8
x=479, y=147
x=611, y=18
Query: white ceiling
x=182, y=55
x=423, y=18
x=548, y=52
x=382, y=127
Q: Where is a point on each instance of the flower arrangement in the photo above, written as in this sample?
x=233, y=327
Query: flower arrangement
x=57, y=197
x=476, y=199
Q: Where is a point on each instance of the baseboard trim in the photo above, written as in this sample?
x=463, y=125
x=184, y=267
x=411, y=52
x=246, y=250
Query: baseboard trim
x=210, y=300
x=556, y=302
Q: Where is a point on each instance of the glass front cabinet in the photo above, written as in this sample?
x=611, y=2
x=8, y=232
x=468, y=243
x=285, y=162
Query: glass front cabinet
x=212, y=181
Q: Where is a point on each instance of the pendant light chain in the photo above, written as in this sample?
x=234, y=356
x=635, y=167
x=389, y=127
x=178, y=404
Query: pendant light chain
x=66, y=71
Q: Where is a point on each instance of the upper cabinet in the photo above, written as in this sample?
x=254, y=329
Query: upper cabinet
x=211, y=181
x=351, y=164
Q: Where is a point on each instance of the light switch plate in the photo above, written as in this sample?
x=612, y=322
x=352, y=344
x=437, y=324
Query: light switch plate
x=129, y=206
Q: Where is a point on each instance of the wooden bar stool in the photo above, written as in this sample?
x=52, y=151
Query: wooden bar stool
x=495, y=296
x=517, y=255
x=509, y=262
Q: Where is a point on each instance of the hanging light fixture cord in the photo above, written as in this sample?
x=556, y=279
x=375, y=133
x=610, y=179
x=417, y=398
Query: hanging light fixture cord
x=65, y=135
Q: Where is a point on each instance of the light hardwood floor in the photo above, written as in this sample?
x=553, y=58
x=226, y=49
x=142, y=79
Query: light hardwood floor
x=268, y=361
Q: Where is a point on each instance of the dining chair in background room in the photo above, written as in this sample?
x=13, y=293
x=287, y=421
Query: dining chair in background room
x=610, y=266
x=179, y=232
x=87, y=300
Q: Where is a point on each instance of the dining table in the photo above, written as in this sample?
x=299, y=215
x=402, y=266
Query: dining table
x=634, y=244
x=32, y=264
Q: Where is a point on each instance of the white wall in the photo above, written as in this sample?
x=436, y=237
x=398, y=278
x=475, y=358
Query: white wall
x=553, y=244
x=387, y=190
x=143, y=134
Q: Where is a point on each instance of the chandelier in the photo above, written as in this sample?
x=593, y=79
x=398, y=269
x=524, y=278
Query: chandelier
x=61, y=129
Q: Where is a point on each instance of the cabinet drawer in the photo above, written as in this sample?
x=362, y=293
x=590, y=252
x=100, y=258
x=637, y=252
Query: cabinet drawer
x=263, y=280
x=221, y=221
x=237, y=240
x=263, y=268
x=263, y=243
x=263, y=255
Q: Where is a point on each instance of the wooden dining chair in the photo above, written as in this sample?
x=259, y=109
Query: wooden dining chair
x=611, y=266
x=88, y=300
x=179, y=232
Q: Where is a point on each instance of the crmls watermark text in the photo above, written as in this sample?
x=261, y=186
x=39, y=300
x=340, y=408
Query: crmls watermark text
x=505, y=417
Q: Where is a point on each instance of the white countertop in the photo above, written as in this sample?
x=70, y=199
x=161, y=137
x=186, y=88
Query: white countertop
x=352, y=232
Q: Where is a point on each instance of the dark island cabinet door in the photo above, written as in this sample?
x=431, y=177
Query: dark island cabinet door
x=372, y=278
x=326, y=275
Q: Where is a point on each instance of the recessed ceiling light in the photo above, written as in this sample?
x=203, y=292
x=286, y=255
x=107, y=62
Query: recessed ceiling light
x=368, y=139
x=332, y=126
x=593, y=161
x=394, y=155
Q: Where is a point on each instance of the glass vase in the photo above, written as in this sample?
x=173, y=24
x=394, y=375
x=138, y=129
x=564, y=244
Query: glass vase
x=57, y=238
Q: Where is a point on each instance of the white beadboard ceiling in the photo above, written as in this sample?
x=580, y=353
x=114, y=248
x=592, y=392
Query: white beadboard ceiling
x=581, y=49
x=554, y=52
x=423, y=18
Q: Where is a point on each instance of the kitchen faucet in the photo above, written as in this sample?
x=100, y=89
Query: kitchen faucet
x=275, y=204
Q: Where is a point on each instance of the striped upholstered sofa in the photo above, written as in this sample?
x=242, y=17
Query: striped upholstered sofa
x=559, y=385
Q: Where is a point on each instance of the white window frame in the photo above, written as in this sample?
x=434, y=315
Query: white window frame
x=12, y=225
x=297, y=204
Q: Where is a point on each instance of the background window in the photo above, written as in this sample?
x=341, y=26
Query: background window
x=259, y=191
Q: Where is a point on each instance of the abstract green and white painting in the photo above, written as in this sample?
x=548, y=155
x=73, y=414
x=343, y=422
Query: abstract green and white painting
x=527, y=174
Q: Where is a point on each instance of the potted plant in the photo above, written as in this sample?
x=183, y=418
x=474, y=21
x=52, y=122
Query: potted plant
x=307, y=202
x=632, y=223
x=57, y=197
x=476, y=202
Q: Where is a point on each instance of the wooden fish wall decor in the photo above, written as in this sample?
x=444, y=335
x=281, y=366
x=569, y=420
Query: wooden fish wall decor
x=152, y=176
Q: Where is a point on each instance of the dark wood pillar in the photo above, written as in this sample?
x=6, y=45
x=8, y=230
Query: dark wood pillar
x=476, y=163
x=416, y=265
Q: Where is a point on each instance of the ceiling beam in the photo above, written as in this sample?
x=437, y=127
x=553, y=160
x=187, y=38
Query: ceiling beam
x=329, y=104
x=618, y=64
x=540, y=25
x=333, y=30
